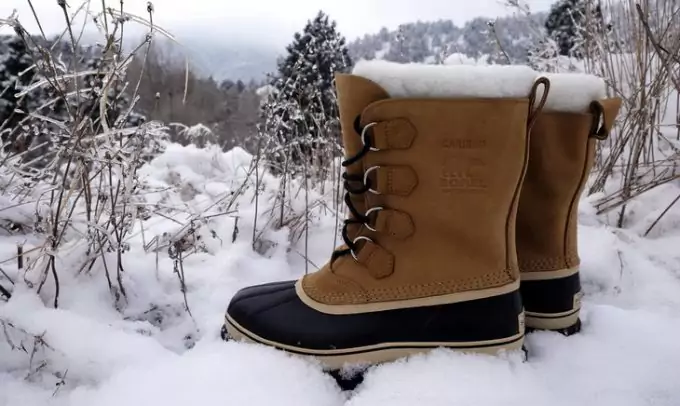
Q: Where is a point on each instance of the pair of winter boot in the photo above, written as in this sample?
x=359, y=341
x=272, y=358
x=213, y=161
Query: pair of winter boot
x=462, y=184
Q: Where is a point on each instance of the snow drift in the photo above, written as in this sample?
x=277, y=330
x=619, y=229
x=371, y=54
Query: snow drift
x=154, y=352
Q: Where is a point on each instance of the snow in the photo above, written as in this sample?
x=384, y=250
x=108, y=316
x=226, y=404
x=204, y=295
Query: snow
x=462, y=59
x=610, y=363
x=154, y=352
x=572, y=92
x=421, y=80
x=461, y=76
x=569, y=92
x=147, y=349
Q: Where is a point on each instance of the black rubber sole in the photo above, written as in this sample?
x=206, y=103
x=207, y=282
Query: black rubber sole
x=568, y=331
x=273, y=314
x=350, y=382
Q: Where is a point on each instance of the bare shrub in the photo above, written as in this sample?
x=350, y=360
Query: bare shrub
x=87, y=195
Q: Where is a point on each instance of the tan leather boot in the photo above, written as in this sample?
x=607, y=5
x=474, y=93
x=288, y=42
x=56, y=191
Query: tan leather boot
x=434, y=262
x=560, y=159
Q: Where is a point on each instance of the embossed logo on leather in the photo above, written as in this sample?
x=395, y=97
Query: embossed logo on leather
x=462, y=143
x=464, y=167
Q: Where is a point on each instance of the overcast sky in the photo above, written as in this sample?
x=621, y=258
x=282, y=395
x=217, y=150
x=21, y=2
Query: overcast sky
x=274, y=21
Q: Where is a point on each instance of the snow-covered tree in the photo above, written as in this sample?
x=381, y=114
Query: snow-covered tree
x=15, y=75
x=571, y=22
x=301, y=111
x=29, y=105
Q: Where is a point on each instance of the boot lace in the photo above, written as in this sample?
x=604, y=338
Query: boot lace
x=350, y=182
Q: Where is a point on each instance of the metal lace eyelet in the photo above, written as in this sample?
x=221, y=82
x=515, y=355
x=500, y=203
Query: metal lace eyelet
x=368, y=213
x=359, y=238
x=364, y=136
x=368, y=172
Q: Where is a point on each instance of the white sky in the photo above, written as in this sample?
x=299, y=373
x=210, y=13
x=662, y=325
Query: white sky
x=274, y=21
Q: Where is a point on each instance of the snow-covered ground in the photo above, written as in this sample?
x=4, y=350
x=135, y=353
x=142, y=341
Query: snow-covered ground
x=153, y=352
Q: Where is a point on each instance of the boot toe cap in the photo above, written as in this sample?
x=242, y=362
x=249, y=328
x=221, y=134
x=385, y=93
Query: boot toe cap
x=274, y=314
x=262, y=311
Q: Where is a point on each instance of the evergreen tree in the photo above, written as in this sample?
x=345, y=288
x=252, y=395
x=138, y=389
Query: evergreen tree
x=15, y=76
x=21, y=133
x=301, y=111
x=568, y=25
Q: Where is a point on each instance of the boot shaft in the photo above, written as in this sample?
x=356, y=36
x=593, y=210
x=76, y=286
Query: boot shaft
x=444, y=175
x=562, y=151
x=454, y=187
x=561, y=156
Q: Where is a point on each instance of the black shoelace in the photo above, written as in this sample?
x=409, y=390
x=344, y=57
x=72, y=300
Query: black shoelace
x=365, y=186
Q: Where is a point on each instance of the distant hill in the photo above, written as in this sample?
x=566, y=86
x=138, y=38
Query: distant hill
x=428, y=42
x=431, y=42
x=223, y=59
x=235, y=60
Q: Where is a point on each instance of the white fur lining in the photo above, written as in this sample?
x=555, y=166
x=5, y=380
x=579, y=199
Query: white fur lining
x=569, y=92
x=431, y=81
x=572, y=92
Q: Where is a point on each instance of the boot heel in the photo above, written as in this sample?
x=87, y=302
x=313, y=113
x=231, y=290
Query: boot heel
x=552, y=304
x=565, y=331
x=566, y=325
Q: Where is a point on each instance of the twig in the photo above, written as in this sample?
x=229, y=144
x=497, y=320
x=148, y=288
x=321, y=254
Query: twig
x=662, y=214
x=178, y=260
x=5, y=292
x=660, y=51
x=4, y=274
x=492, y=25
